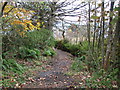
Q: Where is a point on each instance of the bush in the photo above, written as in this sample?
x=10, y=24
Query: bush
x=11, y=65
x=78, y=64
x=49, y=52
x=12, y=73
x=13, y=44
x=84, y=47
x=39, y=39
x=102, y=79
x=65, y=45
x=28, y=53
x=61, y=44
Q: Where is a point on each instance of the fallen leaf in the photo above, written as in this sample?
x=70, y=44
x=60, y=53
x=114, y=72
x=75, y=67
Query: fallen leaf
x=65, y=82
x=42, y=78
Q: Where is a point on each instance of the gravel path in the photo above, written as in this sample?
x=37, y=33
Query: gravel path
x=55, y=77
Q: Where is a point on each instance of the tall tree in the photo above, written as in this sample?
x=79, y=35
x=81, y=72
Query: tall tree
x=88, y=36
x=88, y=25
x=110, y=37
x=100, y=33
x=116, y=45
x=94, y=35
x=103, y=31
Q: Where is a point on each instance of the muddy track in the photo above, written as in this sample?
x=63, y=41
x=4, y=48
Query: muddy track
x=55, y=77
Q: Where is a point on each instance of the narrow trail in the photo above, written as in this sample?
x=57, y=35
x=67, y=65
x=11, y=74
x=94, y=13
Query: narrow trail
x=55, y=77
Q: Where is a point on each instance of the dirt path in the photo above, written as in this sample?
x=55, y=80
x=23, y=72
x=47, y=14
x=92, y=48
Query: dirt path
x=55, y=77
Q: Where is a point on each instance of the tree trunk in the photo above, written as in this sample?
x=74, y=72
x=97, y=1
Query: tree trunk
x=63, y=35
x=88, y=26
x=108, y=51
x=116, y=46
x=88, y=37
x=103, y=31
x=94, y=30
x=99, y=35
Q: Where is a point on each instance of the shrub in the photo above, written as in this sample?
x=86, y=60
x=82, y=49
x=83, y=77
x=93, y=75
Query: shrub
x=65, y=45
x=61, y=44
x=28, y=53
x=11, y=65
x=12, y=73
x=11, y=42
x=102, y=79
x=49, y=52
x=78, y=64
x=39, y=39
x=84, y=47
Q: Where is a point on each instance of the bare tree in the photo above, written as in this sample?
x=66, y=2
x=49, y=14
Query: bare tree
x=88, y=28
x=116, y=47
x=103, y=32
x=53, y=12
x=110, y=37
x=94, y=35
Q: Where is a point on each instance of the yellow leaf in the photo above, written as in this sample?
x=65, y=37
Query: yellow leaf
x=19, y=14
x=16, y=22
x=8, y=8
x=42, y=22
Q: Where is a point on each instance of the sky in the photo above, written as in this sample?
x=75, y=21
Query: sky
x=75, y=19
x=79, y=1
x=68, y=18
